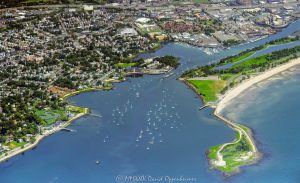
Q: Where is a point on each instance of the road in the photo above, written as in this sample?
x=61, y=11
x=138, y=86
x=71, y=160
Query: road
x=241, y=131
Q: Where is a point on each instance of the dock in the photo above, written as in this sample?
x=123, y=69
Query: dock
x=203, y=107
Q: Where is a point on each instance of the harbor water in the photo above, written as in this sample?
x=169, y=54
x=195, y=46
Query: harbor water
x=151, y=127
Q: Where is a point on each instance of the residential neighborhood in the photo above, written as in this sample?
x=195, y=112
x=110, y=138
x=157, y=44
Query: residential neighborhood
x=49, y=51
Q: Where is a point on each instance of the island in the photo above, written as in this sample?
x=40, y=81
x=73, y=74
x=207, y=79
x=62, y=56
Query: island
x=220, y=82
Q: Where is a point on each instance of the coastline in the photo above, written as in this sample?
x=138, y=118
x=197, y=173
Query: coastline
x=85, y=90
x=39, y=137
x=231, y=94
x=195, y=90
x=218, y=106
x=234, y=92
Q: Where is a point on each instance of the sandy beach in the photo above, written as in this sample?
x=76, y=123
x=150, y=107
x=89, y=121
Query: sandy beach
x=232, y=93
x=28, y=146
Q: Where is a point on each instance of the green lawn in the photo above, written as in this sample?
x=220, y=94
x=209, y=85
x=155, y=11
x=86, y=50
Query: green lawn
x=48, y=117
x=227, y=76
x=76, y=109
x=125, y=65
x=202, y=1
x=212, y=154
x=231, y=152
x=208, y=88
x=253, y=61
x=15, y=144
x=243, y=56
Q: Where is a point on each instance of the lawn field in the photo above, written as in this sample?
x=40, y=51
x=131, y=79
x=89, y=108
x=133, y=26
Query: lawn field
x=48, y=117
x=234, y=154
x=212, y=154
x=125, y=65
x=77, y=109
x=15, y=144
x=208, y=88
x=253, y=61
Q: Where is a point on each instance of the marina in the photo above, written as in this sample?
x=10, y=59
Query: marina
x=167, y=122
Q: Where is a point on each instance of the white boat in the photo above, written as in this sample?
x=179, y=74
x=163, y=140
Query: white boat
x=168, y=75
x=151, y=141
x=97, y=162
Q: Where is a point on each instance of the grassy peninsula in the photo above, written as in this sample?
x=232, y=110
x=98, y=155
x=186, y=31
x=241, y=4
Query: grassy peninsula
x=213, y=83
x=224, y=79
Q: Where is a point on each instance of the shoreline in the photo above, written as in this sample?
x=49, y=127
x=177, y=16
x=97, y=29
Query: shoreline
x=39, y=137
x=234, y=92
x=84, y=91
x=225, y=99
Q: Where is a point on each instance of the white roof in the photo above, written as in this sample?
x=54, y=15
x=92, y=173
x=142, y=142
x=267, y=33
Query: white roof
x=142, y=20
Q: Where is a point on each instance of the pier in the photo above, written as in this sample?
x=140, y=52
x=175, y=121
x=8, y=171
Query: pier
x=203, y=107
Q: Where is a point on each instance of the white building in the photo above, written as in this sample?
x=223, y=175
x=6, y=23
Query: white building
x=88, y=7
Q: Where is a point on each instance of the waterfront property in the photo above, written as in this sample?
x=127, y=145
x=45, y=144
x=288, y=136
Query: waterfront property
x=190, y=131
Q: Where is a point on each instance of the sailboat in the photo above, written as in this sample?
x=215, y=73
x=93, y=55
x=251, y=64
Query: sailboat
x=151, y=141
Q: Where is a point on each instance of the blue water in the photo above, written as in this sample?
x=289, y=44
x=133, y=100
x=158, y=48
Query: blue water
x=262, y=52
x=170, y=111
x=271, y=109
